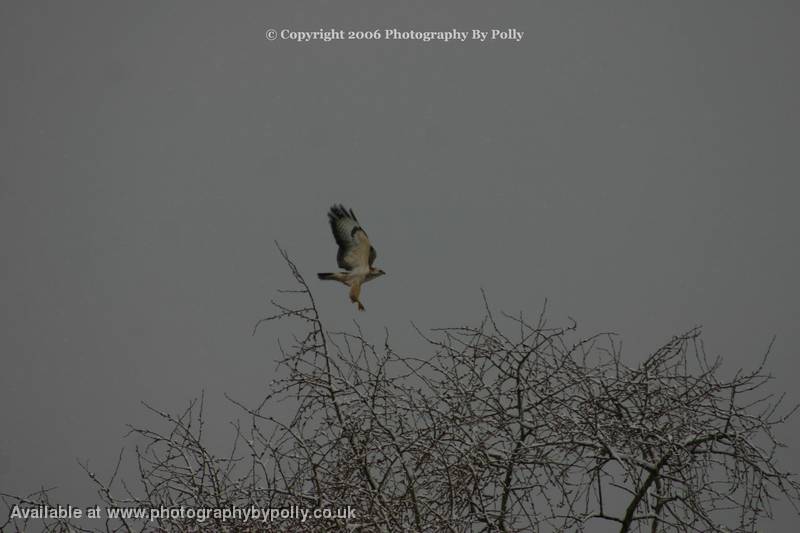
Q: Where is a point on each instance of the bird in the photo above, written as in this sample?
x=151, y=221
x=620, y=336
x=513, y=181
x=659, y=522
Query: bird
x=356, y=255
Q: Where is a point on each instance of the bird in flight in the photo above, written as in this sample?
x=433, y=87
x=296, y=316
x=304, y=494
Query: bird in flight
x=355, y=254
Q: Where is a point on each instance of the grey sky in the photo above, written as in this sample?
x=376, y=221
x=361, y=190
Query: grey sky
x=635, y=163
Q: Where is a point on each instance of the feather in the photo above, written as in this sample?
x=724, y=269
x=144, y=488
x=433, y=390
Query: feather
x=355, y=251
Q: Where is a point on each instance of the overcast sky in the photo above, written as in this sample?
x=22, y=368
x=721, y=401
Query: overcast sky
x=635, y=163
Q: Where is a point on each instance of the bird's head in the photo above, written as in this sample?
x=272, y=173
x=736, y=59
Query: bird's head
x=376, y=272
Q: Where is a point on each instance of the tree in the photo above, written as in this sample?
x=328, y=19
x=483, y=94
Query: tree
x=535, y=430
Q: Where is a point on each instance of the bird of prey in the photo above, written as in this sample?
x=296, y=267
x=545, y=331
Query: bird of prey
x=355, y=254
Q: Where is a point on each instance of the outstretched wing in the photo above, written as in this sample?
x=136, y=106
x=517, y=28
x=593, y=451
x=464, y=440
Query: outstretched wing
x=355, y=251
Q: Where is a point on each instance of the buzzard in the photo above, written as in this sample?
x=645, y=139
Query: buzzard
x=355, y=254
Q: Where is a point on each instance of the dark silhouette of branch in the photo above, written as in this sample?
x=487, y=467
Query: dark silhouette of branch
x=507, y=425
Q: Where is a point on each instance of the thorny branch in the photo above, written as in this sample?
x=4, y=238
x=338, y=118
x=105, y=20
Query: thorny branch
x=539, y=430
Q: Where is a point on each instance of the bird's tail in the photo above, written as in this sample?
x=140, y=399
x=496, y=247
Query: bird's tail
x=326, y=275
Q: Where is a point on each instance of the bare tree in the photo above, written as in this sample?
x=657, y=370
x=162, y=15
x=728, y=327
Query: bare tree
x=508, y=425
